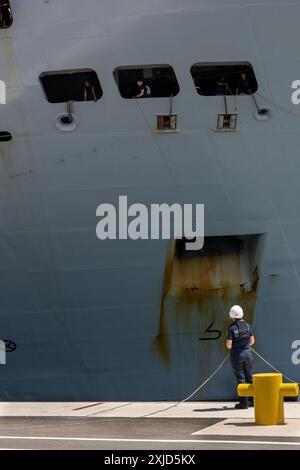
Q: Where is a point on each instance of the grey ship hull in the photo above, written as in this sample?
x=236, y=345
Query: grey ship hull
x=88, y=317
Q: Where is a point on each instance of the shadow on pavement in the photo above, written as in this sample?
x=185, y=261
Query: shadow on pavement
x=225, y=408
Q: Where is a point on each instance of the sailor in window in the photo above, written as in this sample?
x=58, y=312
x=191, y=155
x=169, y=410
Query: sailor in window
x=221, y=87
x=89, y=92
x=240, y=338
x=145, y=90
x=244, y=86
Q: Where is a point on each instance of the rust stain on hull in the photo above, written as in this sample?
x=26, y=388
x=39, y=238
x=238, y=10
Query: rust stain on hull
x=161, y=342
x=198, y=291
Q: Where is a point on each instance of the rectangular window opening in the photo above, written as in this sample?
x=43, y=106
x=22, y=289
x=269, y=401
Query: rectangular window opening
x=146, y=81
x=6, y=16
x=199, y=288
x=224, y=78
x=71, y=85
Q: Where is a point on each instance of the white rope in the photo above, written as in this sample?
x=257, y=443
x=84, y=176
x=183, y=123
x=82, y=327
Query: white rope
x=235, y=99
x=274, y=368
x=210, y=377
x=279, y=106
x=194, y=393
x=154, y=138
x=206, y=381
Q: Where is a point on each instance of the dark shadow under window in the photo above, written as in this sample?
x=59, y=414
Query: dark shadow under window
x=160, y=79
x=224, y=78
x=71, y=85
x=6, y=16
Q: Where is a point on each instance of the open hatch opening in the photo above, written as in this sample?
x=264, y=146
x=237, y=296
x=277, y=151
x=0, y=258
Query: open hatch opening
x=224, y=78
x=71, y=85
x=198, y=291
x=157, y=81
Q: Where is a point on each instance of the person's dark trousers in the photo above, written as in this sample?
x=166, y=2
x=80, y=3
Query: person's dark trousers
x=242, y=365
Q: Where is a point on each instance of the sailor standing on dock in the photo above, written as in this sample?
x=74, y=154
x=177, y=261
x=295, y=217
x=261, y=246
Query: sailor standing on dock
x=240, y=338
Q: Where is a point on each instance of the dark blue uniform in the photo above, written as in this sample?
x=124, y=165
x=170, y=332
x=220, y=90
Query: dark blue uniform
x=241, y=358
x=90, y=90
x=146, y=90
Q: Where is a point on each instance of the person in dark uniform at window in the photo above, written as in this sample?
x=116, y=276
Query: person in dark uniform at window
x=145, y=91
x=244, y=85
x=221, y=87
x=89, y=92
x=240, y=338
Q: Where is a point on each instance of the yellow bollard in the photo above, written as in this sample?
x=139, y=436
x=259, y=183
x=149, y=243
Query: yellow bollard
x=268, y=392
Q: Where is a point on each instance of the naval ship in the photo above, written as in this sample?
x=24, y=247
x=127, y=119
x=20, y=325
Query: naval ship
x=124, y=320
